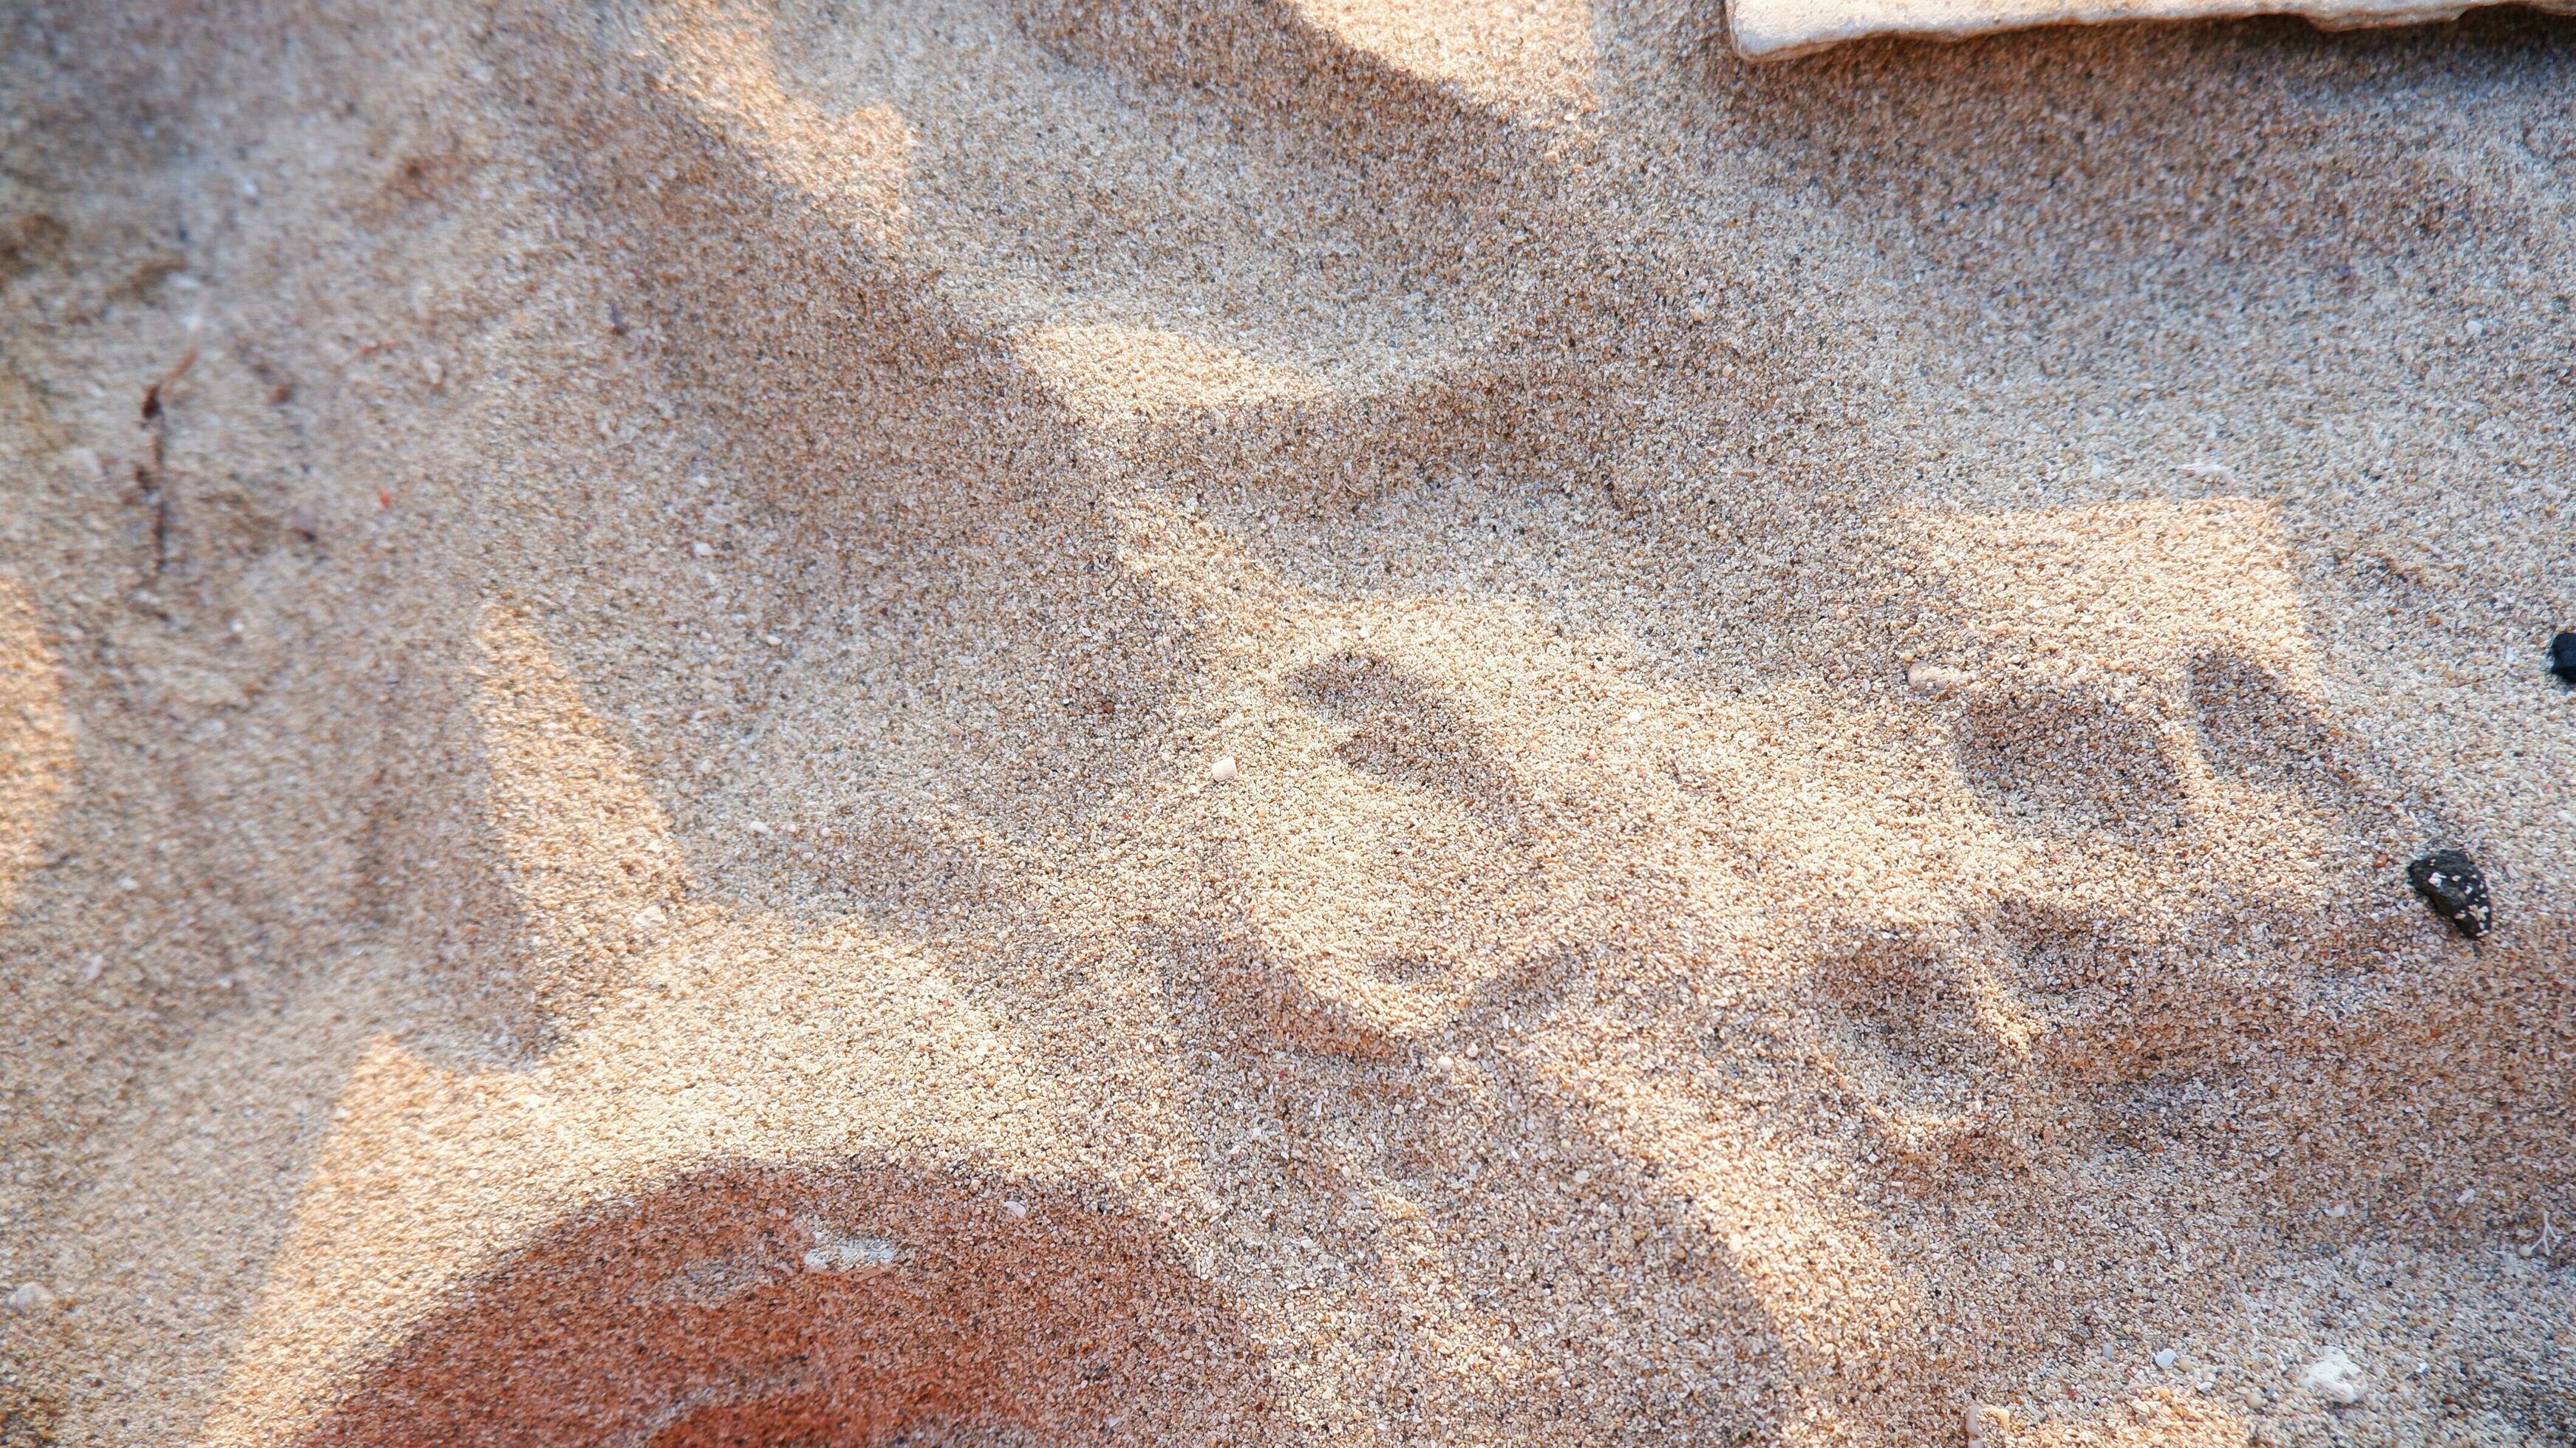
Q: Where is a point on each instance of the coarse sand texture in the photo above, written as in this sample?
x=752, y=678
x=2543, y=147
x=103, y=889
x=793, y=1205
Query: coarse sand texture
x=1282, y=722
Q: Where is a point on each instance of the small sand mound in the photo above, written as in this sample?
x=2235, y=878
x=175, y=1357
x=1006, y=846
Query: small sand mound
x=855, y=1306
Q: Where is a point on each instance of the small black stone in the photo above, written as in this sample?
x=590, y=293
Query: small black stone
x=2562, y=658
x=2452, y=884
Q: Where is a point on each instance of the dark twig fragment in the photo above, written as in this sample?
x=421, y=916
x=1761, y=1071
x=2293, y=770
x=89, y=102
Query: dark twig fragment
x=148, y=476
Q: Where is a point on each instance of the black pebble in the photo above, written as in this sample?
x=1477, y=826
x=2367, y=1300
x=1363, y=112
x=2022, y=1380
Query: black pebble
x=2562, y=658
x=2453, y=885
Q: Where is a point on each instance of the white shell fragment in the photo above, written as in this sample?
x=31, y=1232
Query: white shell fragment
x=2333, y=1377
x=1223, y=771
x=1777, y=28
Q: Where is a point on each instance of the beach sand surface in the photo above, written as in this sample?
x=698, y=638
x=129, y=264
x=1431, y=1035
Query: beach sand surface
x=997, y=722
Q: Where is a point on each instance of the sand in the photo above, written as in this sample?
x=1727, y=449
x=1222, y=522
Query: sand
x=612, y=828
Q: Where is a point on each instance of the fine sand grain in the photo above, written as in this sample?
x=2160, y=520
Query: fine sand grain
x=1280, y=722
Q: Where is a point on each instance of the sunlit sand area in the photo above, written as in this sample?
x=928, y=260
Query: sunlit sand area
x=1282, y=722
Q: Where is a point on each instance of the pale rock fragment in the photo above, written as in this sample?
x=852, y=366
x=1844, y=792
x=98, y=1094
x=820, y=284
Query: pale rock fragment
x=1772, y=29
x=838, y=1251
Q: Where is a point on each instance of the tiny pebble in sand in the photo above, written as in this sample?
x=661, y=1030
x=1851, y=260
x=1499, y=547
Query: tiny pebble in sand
x=2454, y=888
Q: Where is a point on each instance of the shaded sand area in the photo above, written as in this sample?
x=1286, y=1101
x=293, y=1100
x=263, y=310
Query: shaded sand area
x=1110, y=722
